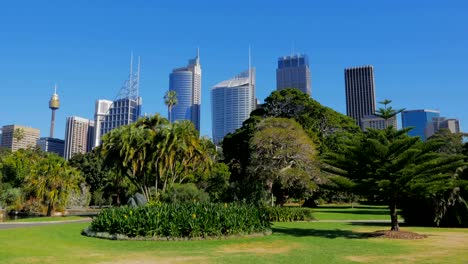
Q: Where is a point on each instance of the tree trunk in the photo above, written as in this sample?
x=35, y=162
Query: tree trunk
x=50, y=208
x=394, y=216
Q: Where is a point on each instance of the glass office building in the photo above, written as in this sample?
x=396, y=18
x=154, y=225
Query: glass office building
x=294, y=72
x=122, y=112
x=186, y=82
x=419, y=120
x=54, y=145
x=232, y=101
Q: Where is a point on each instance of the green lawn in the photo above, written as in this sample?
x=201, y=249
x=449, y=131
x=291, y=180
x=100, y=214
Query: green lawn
x=345, y=212
x=304, y=242
x=47, y=219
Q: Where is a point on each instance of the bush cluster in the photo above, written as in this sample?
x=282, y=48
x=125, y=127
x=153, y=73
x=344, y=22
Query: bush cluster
x=288, y=214
x=189, y=220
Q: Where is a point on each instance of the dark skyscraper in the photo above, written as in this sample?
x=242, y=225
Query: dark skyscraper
x=360, y=92
x=293, y=72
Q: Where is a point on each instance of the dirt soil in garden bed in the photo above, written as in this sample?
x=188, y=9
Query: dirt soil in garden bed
x=396, y=234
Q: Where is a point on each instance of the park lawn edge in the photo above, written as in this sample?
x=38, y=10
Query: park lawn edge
x=105, y=235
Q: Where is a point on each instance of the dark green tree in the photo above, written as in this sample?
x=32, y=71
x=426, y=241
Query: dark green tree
x=388, y=163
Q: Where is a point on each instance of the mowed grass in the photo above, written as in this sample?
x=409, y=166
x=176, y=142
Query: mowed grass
x=304, y=242
x=47, y=219
x=347, y=212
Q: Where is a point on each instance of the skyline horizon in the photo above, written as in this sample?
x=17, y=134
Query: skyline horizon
x=418, y=52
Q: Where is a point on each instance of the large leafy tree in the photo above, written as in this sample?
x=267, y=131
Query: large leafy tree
x=284, y=158
x=388, y=163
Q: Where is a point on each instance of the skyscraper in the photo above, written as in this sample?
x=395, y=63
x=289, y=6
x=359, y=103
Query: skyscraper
x=16, y=137
x=232, y=101
x=186, y=82
x=418, y=119
x=125, y=110
x=293, y=72
x=78, y=136
x=100, y=113
x=360, y=93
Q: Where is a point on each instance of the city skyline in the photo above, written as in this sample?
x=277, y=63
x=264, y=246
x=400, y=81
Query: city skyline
x=418, y=57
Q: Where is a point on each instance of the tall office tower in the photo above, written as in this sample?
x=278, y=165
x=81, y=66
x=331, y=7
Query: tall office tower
x=78, y=135
x=54, y=104
x=186, y=82
x=437, y=123
x=293, y=72
x=125, y=110
x=360, y=92
x=100, y=113
x=418, y=119
x=54, y=145
x=16, y=137
x=231, y=102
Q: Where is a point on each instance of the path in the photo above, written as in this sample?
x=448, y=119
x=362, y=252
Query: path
x=9, y=225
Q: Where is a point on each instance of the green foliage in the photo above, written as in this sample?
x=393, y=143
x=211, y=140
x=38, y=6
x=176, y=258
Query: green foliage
x=390, y=164
x=12, y=197
x=153, y=153
x=176, y=220
x=288, y=214
x=182, y=193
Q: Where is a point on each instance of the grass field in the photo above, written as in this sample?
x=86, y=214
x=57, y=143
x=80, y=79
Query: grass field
x=347, y=212
x=305, y=242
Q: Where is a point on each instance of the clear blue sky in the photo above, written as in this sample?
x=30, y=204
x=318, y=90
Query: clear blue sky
x=419, y=50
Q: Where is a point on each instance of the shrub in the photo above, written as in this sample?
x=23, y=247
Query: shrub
x=188, y=220
x=288, y=214
x=184, y=193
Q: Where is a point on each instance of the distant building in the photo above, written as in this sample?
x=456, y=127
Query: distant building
x=232, y=101
x=122, y=111
x=101, y=111
x=375, y=122
x=294, y=72
x=16, y=137
x=53, y=145
x=78, y=136
x=420, y=120
x=452, y=124
x=360, y=92
x=186, y=82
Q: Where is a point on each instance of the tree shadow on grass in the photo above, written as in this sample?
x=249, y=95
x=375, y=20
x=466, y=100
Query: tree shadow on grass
x=375, y=224
x=354, y=212
x=325, y=233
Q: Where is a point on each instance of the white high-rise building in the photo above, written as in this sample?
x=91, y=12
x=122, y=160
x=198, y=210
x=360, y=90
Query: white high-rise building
x=101, y=111
x=232, y=101
x=79, y=134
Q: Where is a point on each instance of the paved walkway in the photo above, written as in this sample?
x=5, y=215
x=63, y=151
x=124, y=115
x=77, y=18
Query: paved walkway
x=9, y=225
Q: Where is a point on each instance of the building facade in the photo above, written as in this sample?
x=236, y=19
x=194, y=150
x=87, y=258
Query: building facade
x=232, y=101
x=101, y=110
x=186, y=82
x=419, y=120
x=375, y=122
x=16, y=137
x=360, y=93
x=52, y=145
x=294, y=72
x=79, y=134
x=452, y=124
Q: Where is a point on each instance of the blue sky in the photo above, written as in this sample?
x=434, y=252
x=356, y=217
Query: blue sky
x=418, y=49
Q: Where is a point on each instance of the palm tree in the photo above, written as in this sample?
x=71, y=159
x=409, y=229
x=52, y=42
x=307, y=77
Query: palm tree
x=170, y=99
x=52, y=180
